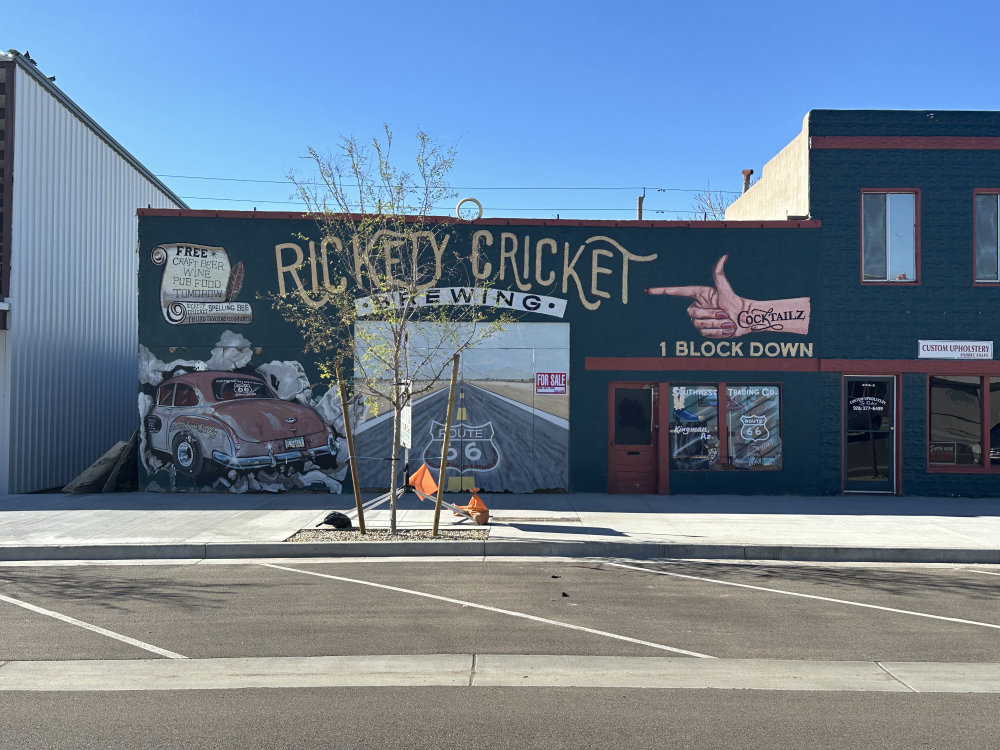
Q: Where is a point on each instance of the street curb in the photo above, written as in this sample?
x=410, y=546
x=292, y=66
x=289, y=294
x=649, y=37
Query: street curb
x=42, y=552
x=496, y=548
x=428, y=548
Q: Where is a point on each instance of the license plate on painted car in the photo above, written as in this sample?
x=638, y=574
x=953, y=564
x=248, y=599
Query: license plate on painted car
x=295, y=442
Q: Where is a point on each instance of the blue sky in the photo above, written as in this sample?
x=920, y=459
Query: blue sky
x=583, y=95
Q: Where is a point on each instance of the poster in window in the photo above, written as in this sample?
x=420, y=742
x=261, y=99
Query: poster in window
x=694, y=427
x=754, y=437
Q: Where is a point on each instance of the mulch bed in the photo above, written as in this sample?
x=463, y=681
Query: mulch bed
x=384, y=535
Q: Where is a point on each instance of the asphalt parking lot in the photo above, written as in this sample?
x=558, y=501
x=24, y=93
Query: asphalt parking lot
x=570, y=607
x=428, y=653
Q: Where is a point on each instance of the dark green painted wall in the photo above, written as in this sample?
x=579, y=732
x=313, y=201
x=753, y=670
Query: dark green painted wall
x=763, y=264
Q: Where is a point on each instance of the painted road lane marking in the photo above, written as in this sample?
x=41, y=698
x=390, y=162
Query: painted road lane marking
x=496, y=610
x=808, y=596
x=92, y=628
x=500, y=670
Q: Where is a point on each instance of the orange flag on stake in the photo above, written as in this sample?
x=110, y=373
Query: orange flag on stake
x=477, y=509
x=426, y=488
x=423, y=482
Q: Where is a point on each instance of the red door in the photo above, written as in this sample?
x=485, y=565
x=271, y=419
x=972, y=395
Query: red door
x=632, y=438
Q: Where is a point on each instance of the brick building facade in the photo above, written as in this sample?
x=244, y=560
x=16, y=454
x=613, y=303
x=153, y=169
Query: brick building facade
x=935, y=176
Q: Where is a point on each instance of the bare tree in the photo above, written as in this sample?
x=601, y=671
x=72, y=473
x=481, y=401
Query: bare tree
x=711, y=205
x=381, y=256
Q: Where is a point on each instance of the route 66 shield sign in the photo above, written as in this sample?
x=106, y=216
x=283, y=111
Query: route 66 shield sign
x=753, y=428
x=471, y=447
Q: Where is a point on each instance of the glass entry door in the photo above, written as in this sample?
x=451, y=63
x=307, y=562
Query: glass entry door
x=869, y=433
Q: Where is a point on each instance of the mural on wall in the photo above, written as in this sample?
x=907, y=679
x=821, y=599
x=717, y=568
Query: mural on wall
x=231, y=402
x=199, y=285
x=519, y=272
x=225, y=425
x=507, y=434
x=234, y=421
x=718, y=312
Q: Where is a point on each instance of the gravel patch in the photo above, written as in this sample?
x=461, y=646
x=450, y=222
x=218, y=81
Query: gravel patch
x=384, y=535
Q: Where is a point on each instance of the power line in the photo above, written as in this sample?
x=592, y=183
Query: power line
x=461, y=187
x=536, y=209
x=238, y=200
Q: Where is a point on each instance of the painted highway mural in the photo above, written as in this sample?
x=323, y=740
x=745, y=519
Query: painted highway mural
x=497, y=443
x=510, y=426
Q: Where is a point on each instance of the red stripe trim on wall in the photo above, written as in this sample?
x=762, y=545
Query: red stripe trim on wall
x=898, y=366
x=714, y=364
x=747, y=364
x=952, y=142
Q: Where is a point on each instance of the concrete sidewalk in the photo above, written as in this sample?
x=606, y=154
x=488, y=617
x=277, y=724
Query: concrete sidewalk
x=857, y=528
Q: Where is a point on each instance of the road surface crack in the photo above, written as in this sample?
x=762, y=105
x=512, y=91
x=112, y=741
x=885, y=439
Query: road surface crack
x=897, y=679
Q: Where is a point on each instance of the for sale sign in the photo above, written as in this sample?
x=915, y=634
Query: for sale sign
x=550, y=382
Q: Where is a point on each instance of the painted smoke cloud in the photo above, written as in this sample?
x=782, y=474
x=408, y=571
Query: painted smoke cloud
x=201, y=436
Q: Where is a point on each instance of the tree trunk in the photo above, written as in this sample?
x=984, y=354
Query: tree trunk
x=393, y=482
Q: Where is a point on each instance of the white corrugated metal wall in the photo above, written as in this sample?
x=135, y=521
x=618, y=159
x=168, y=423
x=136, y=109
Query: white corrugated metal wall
x=4, y=413
x=72, y=344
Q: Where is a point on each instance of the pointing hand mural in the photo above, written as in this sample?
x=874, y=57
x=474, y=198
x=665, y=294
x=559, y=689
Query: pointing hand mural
x=718, y=312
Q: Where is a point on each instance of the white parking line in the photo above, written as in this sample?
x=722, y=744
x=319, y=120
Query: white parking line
x=93, y=628
x=808, y=596
x=984, y=572
x=522, y=615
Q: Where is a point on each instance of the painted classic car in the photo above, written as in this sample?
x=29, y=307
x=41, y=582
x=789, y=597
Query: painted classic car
x=205, y=420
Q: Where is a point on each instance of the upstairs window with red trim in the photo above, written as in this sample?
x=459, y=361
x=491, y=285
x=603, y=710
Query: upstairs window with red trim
x=889, y=236
x=987, y=237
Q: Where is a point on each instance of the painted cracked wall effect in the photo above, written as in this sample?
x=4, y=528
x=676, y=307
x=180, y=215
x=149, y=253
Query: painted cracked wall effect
x=180, y=459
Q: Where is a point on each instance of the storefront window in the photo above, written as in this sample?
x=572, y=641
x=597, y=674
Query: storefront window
x=994, y=413
x=964, y=429
x=752, y=435
x=753, y=419
x=694, y=427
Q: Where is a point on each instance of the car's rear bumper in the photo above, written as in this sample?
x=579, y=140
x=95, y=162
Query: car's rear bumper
x=275, y=459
